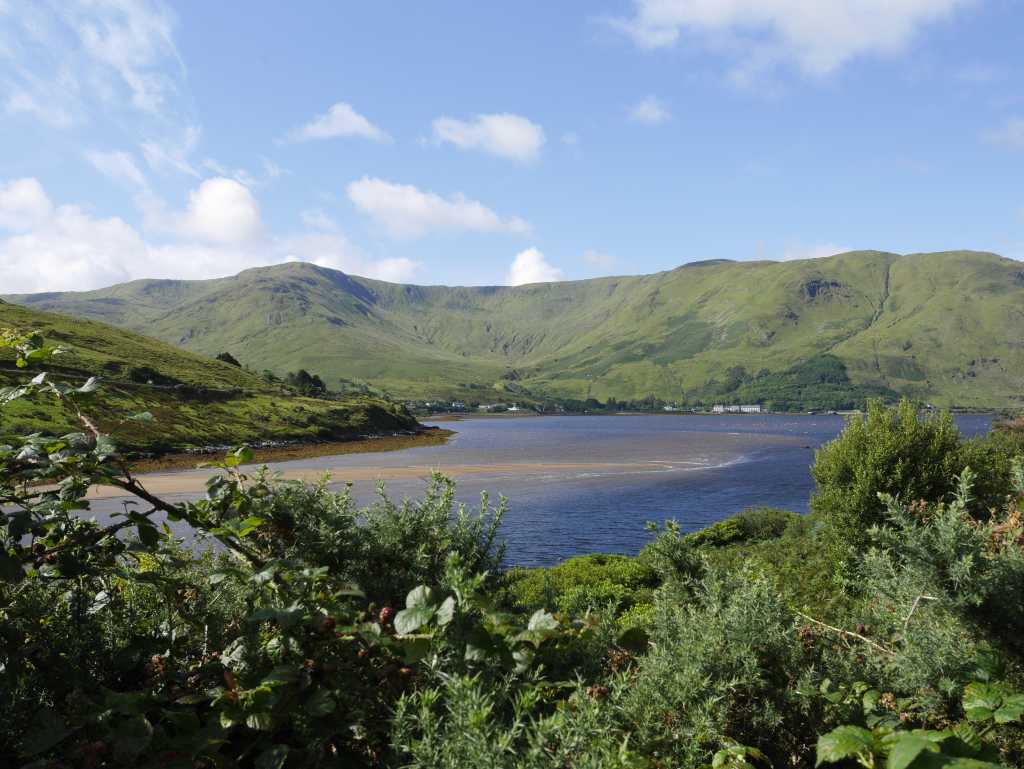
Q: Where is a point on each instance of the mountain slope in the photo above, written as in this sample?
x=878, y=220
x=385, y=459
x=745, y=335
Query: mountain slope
x=946, y=327
x=195, y=401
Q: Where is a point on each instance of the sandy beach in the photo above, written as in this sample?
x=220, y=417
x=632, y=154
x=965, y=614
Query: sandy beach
x=194, y=482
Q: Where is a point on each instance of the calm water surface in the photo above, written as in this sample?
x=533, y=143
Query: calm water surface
x=588, y=484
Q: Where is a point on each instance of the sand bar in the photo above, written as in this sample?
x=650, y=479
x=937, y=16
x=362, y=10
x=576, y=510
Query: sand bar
x=194, y=482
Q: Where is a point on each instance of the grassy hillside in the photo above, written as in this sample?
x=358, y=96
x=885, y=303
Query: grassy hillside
x=195, y=401
x=943, y=327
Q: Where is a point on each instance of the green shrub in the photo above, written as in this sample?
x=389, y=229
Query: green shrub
x=716, y=672
x=388, y=547
x=582, y=582
x=891, y=451
x=753, y=525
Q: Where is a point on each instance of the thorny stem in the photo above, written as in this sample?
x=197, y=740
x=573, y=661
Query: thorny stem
x=848, y=633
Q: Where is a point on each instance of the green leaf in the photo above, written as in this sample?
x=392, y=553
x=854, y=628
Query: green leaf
x=415, y=648
x=412, y=619
x=272, y=758
x=479, y=645
x=249, y=525
x=869, y=701
x=446, y=612
x=91, y=385
x=282, y=674
x=542, y=620
x=262, y=722
x=105, y=446
x=844, y=742
x=240, y=456
x=982, y=700
x=320, y=703
x=1011, y=710
x=419, y=596
x=906, y=749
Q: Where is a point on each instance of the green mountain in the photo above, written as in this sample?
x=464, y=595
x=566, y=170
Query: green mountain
x=195, y=401
x=945, y=327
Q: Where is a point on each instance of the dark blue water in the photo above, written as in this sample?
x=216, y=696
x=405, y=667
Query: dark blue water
x=589, y=484
x=747, y=461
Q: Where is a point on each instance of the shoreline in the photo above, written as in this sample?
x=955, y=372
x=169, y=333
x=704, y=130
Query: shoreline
x=457, y=416
x=183, y=461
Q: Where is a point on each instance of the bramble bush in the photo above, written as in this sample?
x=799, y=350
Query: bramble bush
x=294, y=630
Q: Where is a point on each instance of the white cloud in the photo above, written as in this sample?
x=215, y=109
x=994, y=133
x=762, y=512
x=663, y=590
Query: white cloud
x=407, y=212
x=23, y=204
x=598, y=260
x=531, y=266
x=70, y=250
x=818, y=36
x=65, y=248
x=649, y=111
x=813, y=251
x=341, y=120
x=222, y=211
x=116, y=165
x=505, y=135
x=1009, y=135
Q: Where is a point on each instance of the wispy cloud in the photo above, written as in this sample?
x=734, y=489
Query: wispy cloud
x=117, y=165
x=63, y=59
x=165, y=155
x=408, y=212
x=650, y=111
x=1009, y=135
x=817, y=36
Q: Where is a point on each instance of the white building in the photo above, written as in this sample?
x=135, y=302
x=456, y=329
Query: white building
x=746, y=409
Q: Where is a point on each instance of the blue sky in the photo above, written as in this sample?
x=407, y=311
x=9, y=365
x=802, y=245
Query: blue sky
x=479, y=143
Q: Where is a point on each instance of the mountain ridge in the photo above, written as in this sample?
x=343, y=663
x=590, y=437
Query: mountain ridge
x=944, y=327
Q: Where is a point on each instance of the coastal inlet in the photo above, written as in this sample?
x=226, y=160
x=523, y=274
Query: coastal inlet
x=584, y=484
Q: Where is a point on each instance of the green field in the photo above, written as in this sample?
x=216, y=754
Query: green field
x=194, y=401
x=941, y=327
